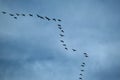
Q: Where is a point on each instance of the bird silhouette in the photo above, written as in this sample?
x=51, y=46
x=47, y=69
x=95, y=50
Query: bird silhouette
x=81, y=74
x=82, y=70
x=15, y=17
x=54, y=19
x=23, y=14
x=61, y=35
x=47, y=18
x=40, y=16
x=4, y=12
x=85, y=53
x=66, y=48
x=86, y=56
x=82, y=65
x=62, y=31
x=74, y=50
x=11, y=14
x=80, y=78
x=31, y=15
x=17, y=14
x=59, y=20
x=64, y=44
x=59, y=25
x=62, y=41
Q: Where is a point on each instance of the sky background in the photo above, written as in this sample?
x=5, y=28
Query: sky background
x=30, y=48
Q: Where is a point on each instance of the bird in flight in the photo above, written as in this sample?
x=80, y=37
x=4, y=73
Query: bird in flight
x=11, y=14
x=40, y=16
x=73, y=49
x=64, y=44
x=23, y=14
x=80, y=78
x=61, y=35
x=17, y=14
x=66, y=48
x=59, y=20
x=47, y=18
x=31, y=15
x=82, y=65
x=62, y=31
x=85, y=53
x=4, y=12
x=62, y=41
x=81, y=74
x=15, y=17
x=54, y=19
x=82, y=70
x=59, y=25
x=86, y=56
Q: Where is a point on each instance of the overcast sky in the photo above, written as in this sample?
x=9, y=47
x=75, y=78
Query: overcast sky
x=30, y=48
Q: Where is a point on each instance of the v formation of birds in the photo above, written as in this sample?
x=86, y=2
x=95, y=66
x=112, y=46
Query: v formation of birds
x=83, y=64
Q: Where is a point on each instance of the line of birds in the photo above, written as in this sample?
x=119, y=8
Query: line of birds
x=16, y=15
x=47, y=18
x=65, y=46
x=81, y=75
x=63, y=42
x=61, y=35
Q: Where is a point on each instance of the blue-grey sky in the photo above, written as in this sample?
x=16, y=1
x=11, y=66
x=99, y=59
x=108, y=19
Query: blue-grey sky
x=30, y=48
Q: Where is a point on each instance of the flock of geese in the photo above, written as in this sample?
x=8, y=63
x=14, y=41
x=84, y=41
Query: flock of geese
x=16, y=15
x=83, y=64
